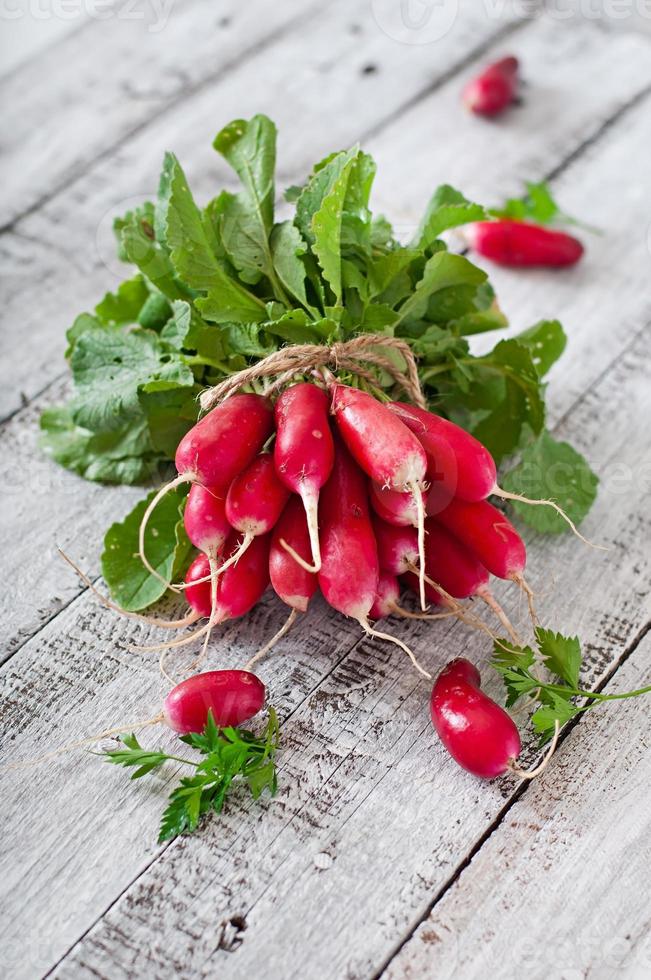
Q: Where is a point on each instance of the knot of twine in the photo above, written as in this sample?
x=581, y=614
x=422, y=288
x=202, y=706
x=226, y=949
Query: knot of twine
x=350, y=355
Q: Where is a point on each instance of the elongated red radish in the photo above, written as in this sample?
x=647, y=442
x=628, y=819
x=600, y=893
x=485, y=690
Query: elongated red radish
x=385, y=448
x=476, y=731
x=214, y=451
x=491, y=92
x=397, y=547
x=395, y=506
x=206, y=524
x=256, y=499
x=458, y=465
x=386, y=598
x=487, y=533
x=233, y=696
x=304, y=452
x=520, y=243
x=459, y=573
x=289, y=578
x=349, y=572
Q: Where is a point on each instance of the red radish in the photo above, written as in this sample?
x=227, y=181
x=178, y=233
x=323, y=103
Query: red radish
x=350, y=573
x=290, y=581
x=520, y=243
x=255, y=501
x=397, y=547
x=233, y=696
x=197, y=589
x=394, y=506
x=386, y=596
x=385, y=449
x=205, y=519
x=457, y=463
x=488, y=534
x=476, y=731
x=304, y=451
x=491, y=92
x=459, y=573
x=215, y=450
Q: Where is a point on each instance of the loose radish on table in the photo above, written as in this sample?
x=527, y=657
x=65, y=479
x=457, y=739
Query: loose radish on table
x=494, y=90
x=233, y=696
x=350, y=572
x=385, y=448
x=304, y=452
x=215, y=450
x=520, y=243
x=476, y=731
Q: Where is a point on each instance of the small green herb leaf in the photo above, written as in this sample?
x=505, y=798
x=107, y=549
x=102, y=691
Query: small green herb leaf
x=561, y=655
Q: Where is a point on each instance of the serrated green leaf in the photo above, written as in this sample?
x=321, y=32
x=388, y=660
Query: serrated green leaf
x=170, y=410
x=561, y=654
x=288, y=248
x=323, y=178
x=155, y=312
x=166, y=545
x=441, y=271
x=327, y=225
x=544, y=718
x=123, y=306
x=550, y=470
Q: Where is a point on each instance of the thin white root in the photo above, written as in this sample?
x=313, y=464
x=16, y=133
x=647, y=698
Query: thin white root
x=408, y=614
x=86, y=741
x=463, y=615
x=170, y=624
x=311, y=504
x=532, y=773
x=211, y=622
x=171, y=644
x=368, y=629
x=487, y=596
x=263, y=651
x=505, y=495
x=519, y=579
x=297, y=558
x=145, y=520
x=417, y=494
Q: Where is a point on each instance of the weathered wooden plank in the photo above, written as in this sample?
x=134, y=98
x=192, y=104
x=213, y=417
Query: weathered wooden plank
x=577, y=842
x=26, y=36
x=315, y=73
x=372, y=819
x=85, y=95
x=60, y=509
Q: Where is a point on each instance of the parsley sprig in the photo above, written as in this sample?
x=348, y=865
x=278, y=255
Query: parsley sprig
x=227, y=753
x=557, y=698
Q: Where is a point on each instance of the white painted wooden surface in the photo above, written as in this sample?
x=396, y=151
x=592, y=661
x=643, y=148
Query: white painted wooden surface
x=359, y=859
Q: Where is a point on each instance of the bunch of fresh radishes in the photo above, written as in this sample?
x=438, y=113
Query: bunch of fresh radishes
x=331, y=489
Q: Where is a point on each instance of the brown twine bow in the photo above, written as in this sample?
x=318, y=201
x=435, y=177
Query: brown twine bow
x=350, y=355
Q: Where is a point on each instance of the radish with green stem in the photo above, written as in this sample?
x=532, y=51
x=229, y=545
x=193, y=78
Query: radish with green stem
x=304, y=454
x=214, y=451
x=384, y=448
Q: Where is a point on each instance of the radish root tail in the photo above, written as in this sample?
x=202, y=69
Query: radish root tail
x=505, y=495
x=86, y=741
x=297, y=558
x=145, y=520
x=520, y=580
x=368, y=629
x=417, y=494
x=532, y=773
x=487, y=596
x=311, y=505
x=408, y=614
x=170, y=624
x=263, y=651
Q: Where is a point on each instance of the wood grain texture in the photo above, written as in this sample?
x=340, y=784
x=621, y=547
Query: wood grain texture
x=372, y=817
x=312, y=81
x=59, y=509
x=558, y=890
x=112, y=77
